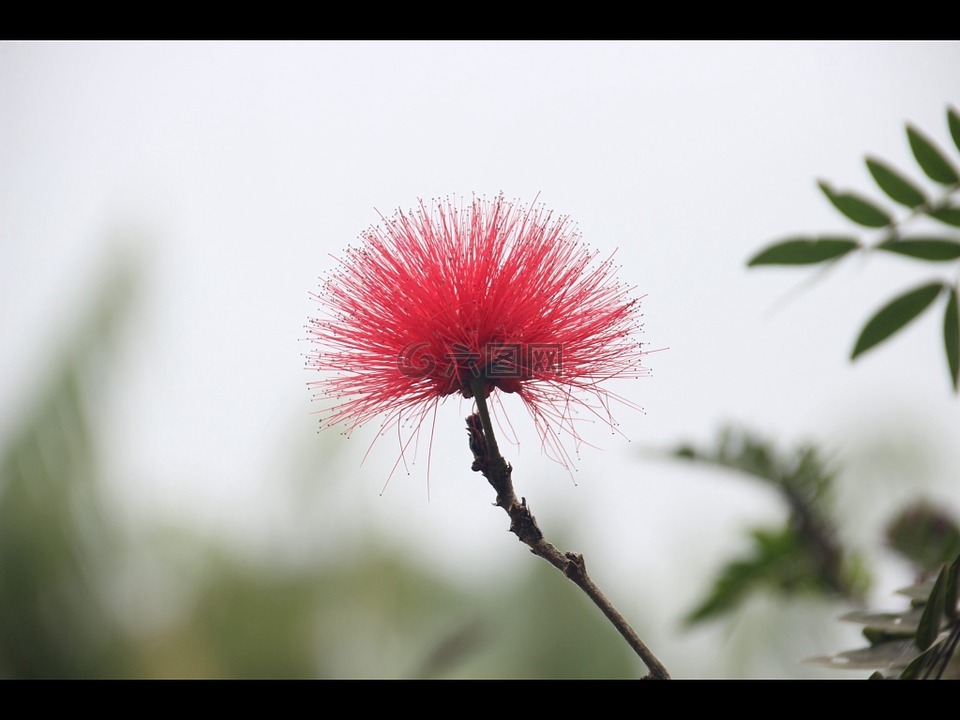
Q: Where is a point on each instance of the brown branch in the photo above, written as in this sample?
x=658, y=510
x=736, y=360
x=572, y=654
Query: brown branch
x=497, y=471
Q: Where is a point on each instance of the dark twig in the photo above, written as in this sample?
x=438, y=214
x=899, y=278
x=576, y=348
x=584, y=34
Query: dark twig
x=497, y=471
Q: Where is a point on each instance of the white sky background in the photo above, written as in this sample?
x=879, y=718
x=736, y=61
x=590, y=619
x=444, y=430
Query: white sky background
x=234, y=171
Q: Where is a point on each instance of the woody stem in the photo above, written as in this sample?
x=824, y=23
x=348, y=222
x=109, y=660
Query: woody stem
x=490, y=462
x=478, y=385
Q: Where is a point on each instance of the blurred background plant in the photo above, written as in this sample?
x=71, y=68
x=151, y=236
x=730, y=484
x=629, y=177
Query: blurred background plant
x=70, y=566
x=923, y=640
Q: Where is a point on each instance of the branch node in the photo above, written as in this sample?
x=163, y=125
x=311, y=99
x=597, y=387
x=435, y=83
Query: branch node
x=523, y=524
x=576, y=566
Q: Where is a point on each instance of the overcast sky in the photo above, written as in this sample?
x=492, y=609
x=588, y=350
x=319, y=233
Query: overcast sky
x=234, y=173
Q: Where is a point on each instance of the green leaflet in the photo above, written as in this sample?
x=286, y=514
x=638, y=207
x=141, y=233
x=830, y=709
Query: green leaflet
x=951, y=338
x=947, y=215
x=856, y=208
x=933, y=162
x=924, y=248
x=894, y=316
x=804, y=251
x=953, y=122
x=929, y=625
x=896, y=186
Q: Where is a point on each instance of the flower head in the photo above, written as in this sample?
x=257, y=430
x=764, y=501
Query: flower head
x=447, y=300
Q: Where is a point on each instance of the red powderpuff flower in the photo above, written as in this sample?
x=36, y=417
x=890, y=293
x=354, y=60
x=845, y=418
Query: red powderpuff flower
x=445, y=299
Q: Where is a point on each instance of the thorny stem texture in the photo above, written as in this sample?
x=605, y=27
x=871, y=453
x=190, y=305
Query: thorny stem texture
x=497, y=471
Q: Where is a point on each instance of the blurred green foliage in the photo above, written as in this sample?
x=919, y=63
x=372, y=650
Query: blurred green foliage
x=367, y=613
x=803, y=555
x=925, y=535
x=54, y=537
x=922, y=641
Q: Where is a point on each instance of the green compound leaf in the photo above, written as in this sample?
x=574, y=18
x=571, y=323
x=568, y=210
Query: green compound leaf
x=804, y=251
x=861, y=211
x=893, y=316
x=934, y=164
x=913, y=670
x=953, y=589
x=924, y=248
x=953, y=121
x=918, y=592
x=947, y=215
x=886, y=625
x=929, y=627
x=892, y=655
x=951, y=338
x=895, y=185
